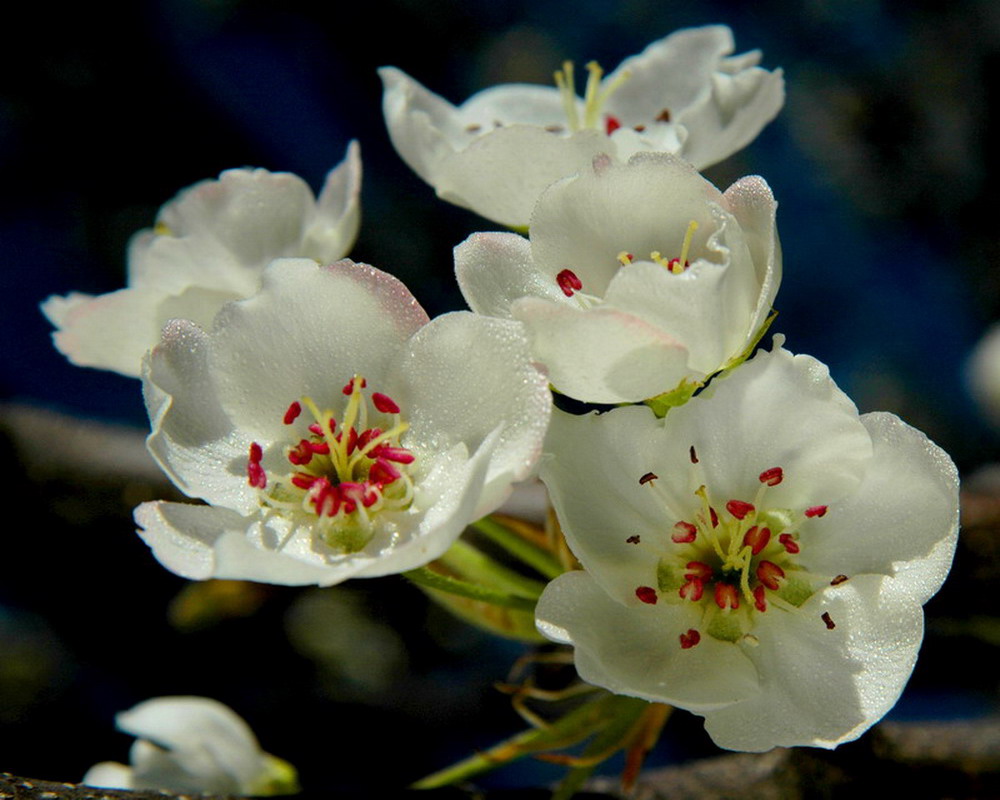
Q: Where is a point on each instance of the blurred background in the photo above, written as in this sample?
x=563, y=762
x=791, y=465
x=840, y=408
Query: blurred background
x=882, y=163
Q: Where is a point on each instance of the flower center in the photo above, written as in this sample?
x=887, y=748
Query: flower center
x=342, y=473
x=734, y=561
x=571, y=285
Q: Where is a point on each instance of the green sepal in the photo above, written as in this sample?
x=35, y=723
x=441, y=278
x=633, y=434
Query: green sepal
x=678, y=396
x=735, y=361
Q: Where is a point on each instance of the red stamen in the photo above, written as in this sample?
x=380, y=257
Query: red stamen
x=384, y=403
x=828, y=621
x=634, y=539
x=320, y=448
x=692, y=590
x=726, y=596
x=649, y=476
x=349, y=386
x=676, y=262
x=302, y=453
x=611, y=124
x=256, y=452
x=398, y=454
x=304, y=480
x=568, y=282
x=256, y=475
x=816, y=511
x=383, y=472
x=699, y=570
x=739, y=509
x=693, y=455
x=293, y=412
x=757, y=538
x=690, y=639
x=367, y=435
x=838, y=580
x=647, y=594
x=715, y=517
x=770, y=574
x=318, y=429
x=684, y=532
x=759, y=600
x=789, y=543
x=772, y=476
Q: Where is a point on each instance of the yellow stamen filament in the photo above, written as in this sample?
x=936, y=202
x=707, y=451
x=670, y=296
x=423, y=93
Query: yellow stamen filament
x=567, y=88
x=686, y=247
x=624, y=258
x=706, y=520
x=591, y=102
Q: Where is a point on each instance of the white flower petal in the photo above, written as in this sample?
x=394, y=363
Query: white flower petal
x=466, y=376
x=335, y=225
x=603, y=355
x=822, y=687
x=192, y=438
x=636, y=651
x=671, y=73
x=491, y=176
x=585, y=223
x=777, y=410
x=495, y=269
x=903, y=517
x=109, y=775
x=312, y=328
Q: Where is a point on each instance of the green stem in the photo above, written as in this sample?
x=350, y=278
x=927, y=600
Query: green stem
x=423, y=576
x=564, y=732
x=474, y=565
x=537, y=559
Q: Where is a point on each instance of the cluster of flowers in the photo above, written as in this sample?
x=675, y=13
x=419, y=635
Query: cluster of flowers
x=752, y=548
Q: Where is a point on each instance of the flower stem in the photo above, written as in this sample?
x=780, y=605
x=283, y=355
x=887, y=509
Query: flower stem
x=473, y=565
x=423, y=576
x=524, y=551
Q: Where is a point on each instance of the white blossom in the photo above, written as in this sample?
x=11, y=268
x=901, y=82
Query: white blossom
x=333, y=430
x=209, y=246
x=638, y=279
x=496, y=152
x=193, y=744
x=759, y=556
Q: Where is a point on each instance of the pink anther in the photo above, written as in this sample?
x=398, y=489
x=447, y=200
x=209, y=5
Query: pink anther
x=689, y=639
x=739, y=509
x=349, y=386
x=772, y=476
x=697, y=569
x=759, y=599
x=816, y=511
x=756, y=539
x=692, y=590
x=788, y=542
x=726, y=596
x=770, y=574
x=684, y=532
x=647, y=594
x=382, y=472
x=293, y=412
x=398, y=454
x=611, y=124
x=384, y=403
x=569, y=282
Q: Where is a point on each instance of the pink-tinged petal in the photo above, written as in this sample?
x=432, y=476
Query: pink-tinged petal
x=467, y=378
x=602, y=355
x=822, y=686
x=334, y=226
x=902, y=520
x=112, y=331
x=495, y=269
x=312, y=328
x=643, y=657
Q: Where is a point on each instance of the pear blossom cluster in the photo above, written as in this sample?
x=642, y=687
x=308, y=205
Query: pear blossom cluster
x=751, y=548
